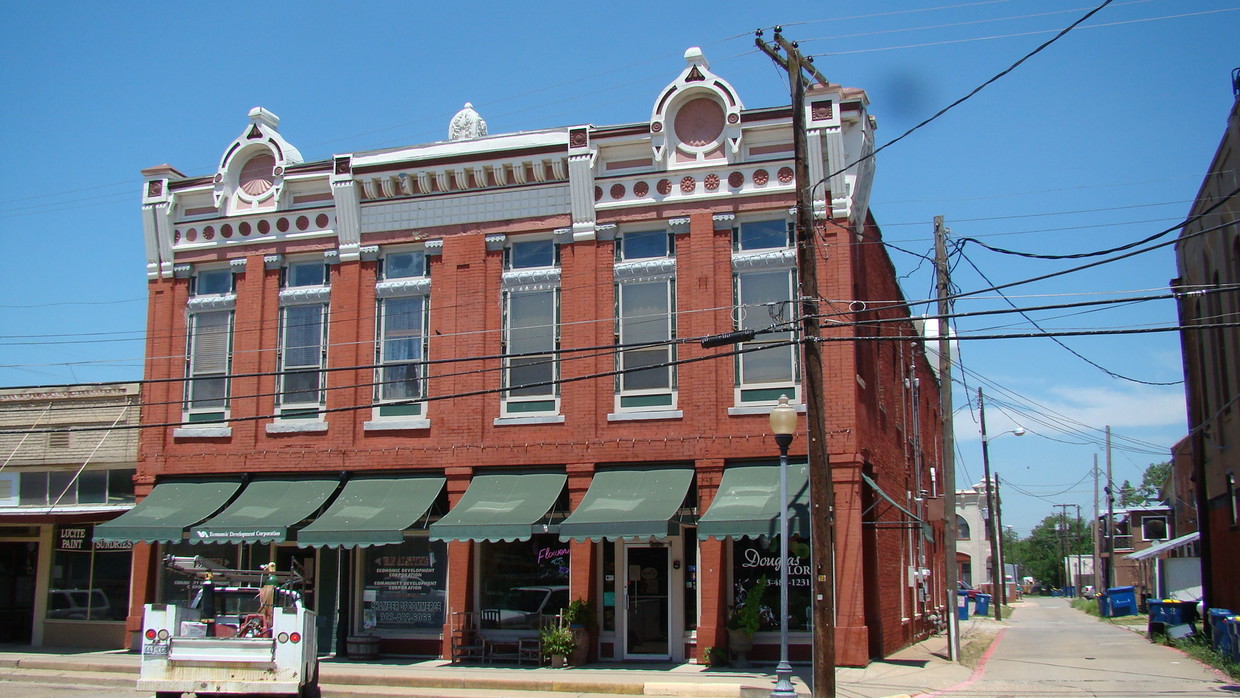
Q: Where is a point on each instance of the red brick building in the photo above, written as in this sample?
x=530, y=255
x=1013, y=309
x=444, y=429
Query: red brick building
x=466, y=377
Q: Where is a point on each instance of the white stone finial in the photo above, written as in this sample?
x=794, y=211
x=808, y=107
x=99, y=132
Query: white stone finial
x=466, y=124
x=694, y=56
x=260, y=115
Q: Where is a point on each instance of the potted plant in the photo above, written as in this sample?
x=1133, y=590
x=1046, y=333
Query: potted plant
x=579, y=618
x=557, y=643
x=744, y=620
x=715, y=656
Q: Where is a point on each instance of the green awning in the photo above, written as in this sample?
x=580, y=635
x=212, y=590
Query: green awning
x=629, y=503
x=171, y=507
x=265, y=510
x=747, y=504
x=926, y=529
x=372, y=511
x=501, y=507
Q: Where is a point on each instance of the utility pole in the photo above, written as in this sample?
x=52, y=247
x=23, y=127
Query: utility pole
x=1110, y=490
x=821, y=488
x=1002, y=599
x=950, y=571
x=996, y=576
x=1097, y=536
x=1077, y=584
x=1064, y=565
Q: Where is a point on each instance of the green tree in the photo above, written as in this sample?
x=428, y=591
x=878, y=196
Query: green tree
x=1130, y=495
x=1041, y=554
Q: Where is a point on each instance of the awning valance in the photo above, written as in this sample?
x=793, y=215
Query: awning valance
x=265, y=510
x=500, y=507
x=168, y=510
x=629, y=503
x=372, y=511
x=747, y=504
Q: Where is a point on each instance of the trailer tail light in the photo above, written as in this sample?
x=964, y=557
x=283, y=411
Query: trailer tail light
x=282, y=638
x=295, y=638
x=163, y=634
x=150, y=633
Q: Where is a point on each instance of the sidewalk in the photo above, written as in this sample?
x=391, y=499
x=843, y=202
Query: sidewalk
x=911, y=671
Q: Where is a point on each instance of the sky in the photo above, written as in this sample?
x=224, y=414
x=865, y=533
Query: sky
x=1097, y=141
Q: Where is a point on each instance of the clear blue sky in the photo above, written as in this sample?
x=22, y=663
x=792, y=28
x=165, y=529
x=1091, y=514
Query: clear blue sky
x=1100, y=140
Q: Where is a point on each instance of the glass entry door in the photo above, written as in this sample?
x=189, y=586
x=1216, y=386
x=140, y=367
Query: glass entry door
x=647, y=617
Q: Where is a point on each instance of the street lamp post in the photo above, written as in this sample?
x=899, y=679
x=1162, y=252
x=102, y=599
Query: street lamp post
x=996, y=572
x=783, y=423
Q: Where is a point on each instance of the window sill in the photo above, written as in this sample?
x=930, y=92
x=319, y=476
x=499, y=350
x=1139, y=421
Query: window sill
x=396, y=424
x=760, y=409
x=297, y=426
x=649, y=414
x=202, y=433
x=512, y=421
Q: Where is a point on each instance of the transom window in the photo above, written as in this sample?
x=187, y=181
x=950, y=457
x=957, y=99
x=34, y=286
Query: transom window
x=645, y=244
x=762, y=235
x=404, y=265
x=208, y=282
x=298, y=274
x=531, y=254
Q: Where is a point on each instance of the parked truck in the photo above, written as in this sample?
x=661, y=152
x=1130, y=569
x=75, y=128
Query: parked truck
x=246, y=631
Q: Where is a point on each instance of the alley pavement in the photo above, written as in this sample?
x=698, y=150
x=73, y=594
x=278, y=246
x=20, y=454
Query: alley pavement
x=1047, y=648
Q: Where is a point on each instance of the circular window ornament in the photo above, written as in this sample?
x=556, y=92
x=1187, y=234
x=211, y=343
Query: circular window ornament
x=256, y=176
x=699, y=123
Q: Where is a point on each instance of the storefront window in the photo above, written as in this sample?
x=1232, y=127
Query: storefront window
x=754, y=560
x=403, y=586
x=523, y=581
x=182, y=588
x=89, y=581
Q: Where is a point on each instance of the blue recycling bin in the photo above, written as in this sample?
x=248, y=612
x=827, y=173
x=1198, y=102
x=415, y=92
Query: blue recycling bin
x=1219, y=638
x=981, y=605
x=1231, y=649
x=1123, y=602
x=962, y=605
x=1171, y=612
x=1104, y=605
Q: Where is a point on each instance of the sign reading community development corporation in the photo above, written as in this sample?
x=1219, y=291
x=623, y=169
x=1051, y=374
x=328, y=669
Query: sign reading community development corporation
x=231, y=535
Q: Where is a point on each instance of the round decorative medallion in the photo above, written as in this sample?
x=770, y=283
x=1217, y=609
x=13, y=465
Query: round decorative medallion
x=176, y=235
x=244, y=228
x=699, y=122
x=711, y=182
x=321, y=220
x=219, y=178
x=264, y=227
x=687, y=185
x=598, y=193
x=641, y=189
x=256, y=176
x=617, y=191
x=226, y=231
x=303, y=223
x=209, y=234
x=209, y=230
x=656, y=127
x=279, y=172
x=785, y=175
x=761, y=177
x=664, y=187
x=734, y=118
x=282, y=225
x=735, y=180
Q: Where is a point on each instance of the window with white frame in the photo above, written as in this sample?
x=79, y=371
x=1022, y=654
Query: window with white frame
x=208, y=351
x=1154, y=528
x=531, y=303
x=764, y=278
x=645, y=320
x=400, y=352
x=303, y=338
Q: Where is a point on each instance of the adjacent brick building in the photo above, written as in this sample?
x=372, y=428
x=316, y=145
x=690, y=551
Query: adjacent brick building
x=466, y=378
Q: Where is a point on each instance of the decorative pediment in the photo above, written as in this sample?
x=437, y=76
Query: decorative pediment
x=696, y=118
x=250, y=176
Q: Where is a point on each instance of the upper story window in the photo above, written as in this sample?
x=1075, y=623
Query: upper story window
x=303, y=338
x=308, y=273
x=645, y=321
x=764, y=283
x=403, y=265
x=531, y=340
x=962, y=528
x=402, y=307
x=208, y=350
x=1154, y=528
x=531, y=254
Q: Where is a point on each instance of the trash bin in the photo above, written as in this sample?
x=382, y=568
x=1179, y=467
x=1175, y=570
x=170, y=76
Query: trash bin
x=1219, y=637
x=1104, y=605
x=1123, y=601
x=1232, y=648
x=962, y=605
x=1170, y=612
x=981, y=605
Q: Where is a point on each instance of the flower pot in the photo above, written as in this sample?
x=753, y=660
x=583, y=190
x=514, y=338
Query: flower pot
x=740, y=642
x=558, y=661
x=581, y=645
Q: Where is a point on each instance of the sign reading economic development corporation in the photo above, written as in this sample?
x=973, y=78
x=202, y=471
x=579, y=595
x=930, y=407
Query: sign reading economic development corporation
x=232, y=535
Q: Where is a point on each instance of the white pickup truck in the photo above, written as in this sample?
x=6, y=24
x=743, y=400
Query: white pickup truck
x=236, y=637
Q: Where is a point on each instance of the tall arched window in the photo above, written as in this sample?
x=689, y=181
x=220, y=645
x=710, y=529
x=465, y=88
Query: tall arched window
x=962, y=528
